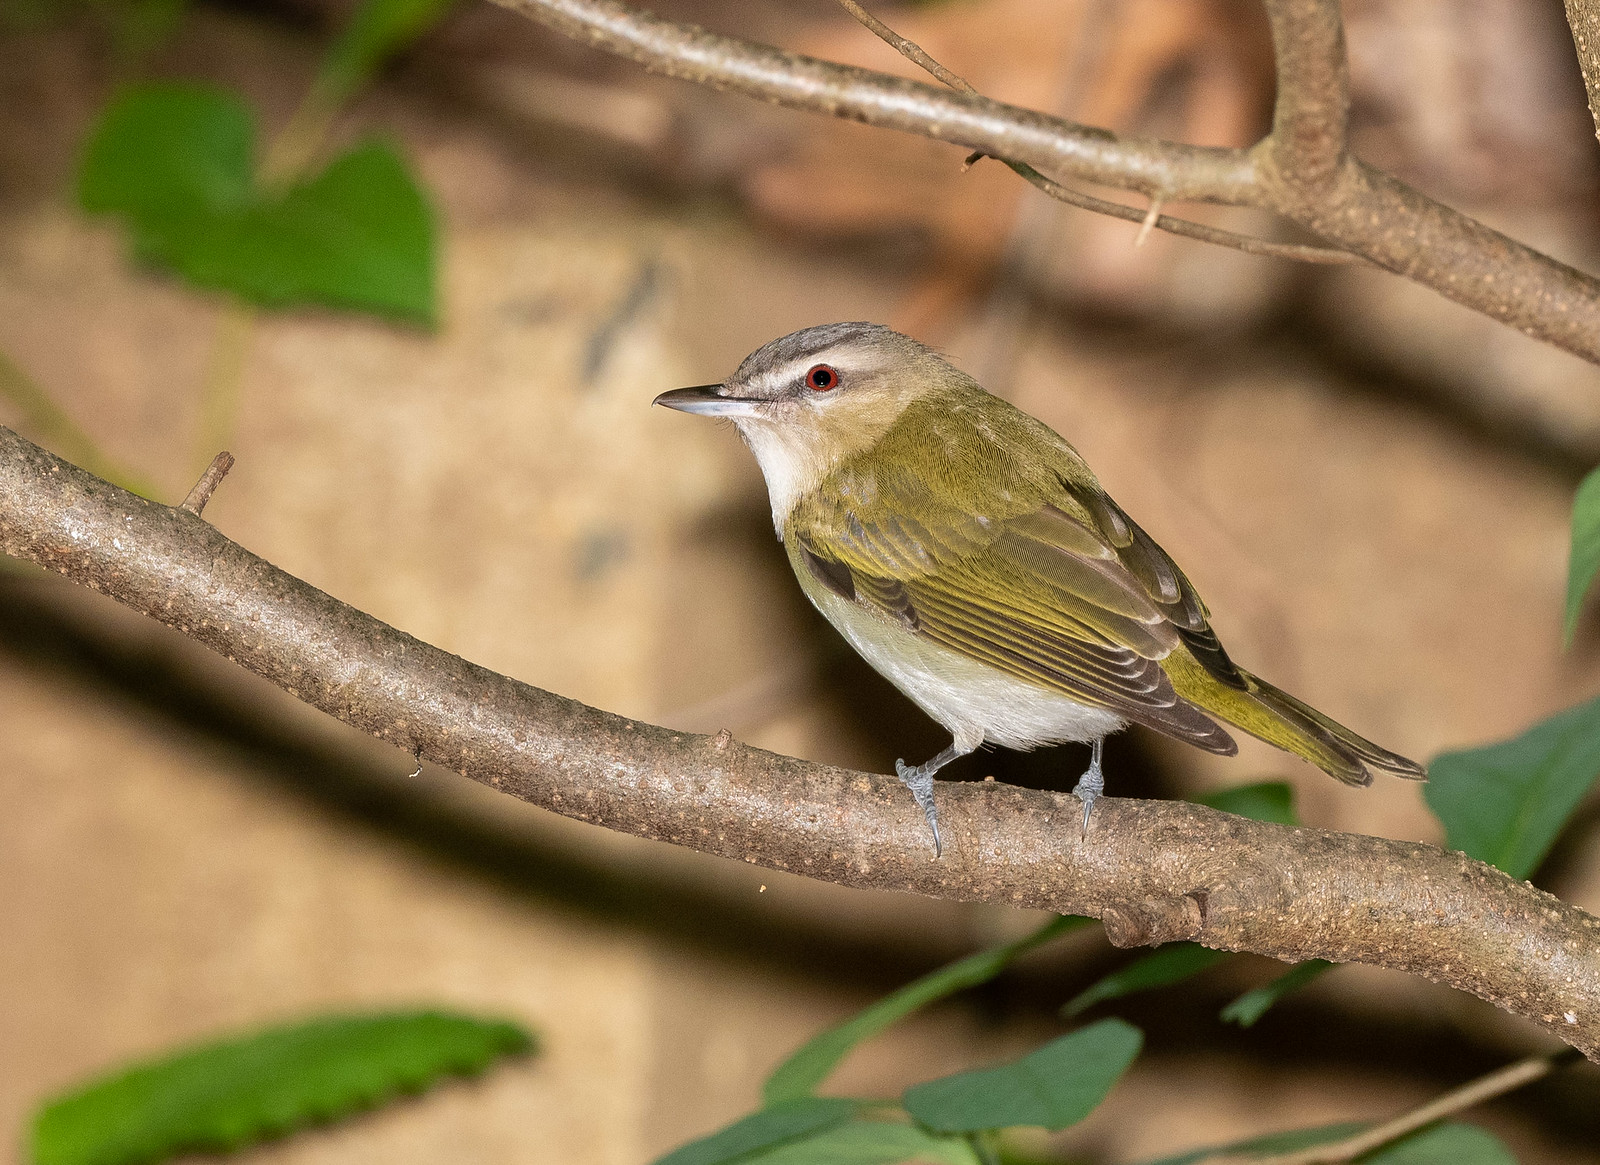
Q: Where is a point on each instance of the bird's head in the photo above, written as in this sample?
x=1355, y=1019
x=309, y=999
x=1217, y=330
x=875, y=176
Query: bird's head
x=811, y=399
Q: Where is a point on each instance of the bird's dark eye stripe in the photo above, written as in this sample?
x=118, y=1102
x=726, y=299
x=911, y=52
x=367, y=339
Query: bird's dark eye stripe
x=822, y=377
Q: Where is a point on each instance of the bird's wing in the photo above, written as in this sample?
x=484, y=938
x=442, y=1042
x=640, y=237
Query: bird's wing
x=1038, y=574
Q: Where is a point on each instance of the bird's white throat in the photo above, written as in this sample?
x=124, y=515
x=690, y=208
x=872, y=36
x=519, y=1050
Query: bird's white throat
x=792, y=460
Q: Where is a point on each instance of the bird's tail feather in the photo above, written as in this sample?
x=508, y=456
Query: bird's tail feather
x=1279, y=719
x=1333, y=748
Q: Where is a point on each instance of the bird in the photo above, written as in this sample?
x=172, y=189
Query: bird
x=970, y=555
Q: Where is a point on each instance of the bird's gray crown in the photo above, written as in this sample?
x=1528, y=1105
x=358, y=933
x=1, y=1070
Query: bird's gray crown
x=799, y=346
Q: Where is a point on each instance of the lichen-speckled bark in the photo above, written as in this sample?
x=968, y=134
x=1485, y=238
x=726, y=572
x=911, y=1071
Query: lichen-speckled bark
x=1155, y=870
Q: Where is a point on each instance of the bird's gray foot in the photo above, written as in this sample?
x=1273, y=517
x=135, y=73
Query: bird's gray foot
x=1091, y=785
x=919, y=779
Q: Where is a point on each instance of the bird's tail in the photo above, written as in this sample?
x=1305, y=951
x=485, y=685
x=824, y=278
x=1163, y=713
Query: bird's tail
x=1279, y=719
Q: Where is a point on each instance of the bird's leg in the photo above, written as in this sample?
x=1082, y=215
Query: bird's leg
x=919, y=779
x=1091, y=784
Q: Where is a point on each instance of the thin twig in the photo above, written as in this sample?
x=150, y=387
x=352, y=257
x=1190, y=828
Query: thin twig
x=1301, y=252
x=908, y=49
x=1475, y=1092
x=1153, y=218
x=195, y=503
x=1289, y=893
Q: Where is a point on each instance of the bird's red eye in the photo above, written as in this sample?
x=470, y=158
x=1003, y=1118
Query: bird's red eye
x=822, y=378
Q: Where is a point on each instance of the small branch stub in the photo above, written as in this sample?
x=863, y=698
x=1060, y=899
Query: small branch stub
x=195, y=503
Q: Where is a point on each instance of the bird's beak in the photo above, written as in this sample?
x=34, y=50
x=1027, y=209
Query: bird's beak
x=708, y=401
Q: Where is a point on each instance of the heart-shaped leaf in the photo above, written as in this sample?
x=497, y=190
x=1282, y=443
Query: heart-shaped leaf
x=174, y=161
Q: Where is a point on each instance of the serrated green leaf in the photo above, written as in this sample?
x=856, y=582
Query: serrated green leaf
x=1164, y=966
x=378, y=28
x=774, y=1125
x=163, y=152
x=809, y=1066
x=1451, y=1144
x=868, y=1143
x=1583, y=560
x=1056, y=1086
x=1505, y=804
x=1268, y=801
x=1252, y=1005
x=219, y=1097
x=1287, y=1142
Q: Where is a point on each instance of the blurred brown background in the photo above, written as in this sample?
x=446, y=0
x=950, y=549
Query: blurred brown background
x=1369, y=485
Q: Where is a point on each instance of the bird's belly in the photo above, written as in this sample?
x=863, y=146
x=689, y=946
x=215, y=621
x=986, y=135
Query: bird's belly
x=974, y=701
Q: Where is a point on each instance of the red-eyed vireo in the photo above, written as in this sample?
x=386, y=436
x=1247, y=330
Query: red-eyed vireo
x=968, y=553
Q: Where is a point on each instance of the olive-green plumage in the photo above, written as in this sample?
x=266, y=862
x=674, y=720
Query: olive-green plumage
x=1023, y=563
x=969, y=553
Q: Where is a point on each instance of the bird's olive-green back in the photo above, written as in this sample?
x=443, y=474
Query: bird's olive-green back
x=977, y=526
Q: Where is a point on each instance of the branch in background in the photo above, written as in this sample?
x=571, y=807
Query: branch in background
x=1469, y=1095
x=1312, y=113
x=1155, y=871
x=1347, y=204
x=1583, y=18
x=1153, y=218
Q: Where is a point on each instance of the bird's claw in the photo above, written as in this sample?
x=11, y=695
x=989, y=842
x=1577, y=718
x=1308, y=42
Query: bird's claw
x=1088, y=790
x=919, y=780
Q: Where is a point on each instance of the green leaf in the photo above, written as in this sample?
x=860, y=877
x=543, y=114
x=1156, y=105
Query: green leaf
x=1168, y=964
x=1252, y=1005
x=1287, y=1142
x=1443, y=1145
x=219, y=1097
x=1269, y=801
x=358, y=235
x=1584, y=558
x=868, y=1143
x=163, y=152
x=770, y=1126
x=379, y=27
x=1506, y=803
x=809, y=1066
x=1056, y=1086
x=175, y=163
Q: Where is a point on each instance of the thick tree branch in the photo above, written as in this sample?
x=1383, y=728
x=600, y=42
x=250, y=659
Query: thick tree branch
x=1349, y=205
x=1312, y=111
x=1583, y=17
x=1155, y=871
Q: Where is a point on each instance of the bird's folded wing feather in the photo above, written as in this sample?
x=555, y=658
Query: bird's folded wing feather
x=1040, y=576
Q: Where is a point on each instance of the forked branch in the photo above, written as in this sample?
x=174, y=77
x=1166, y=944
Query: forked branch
x=1156, y=871
x=1301, y=170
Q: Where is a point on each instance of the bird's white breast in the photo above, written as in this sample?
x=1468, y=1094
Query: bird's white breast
x=975, y=702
